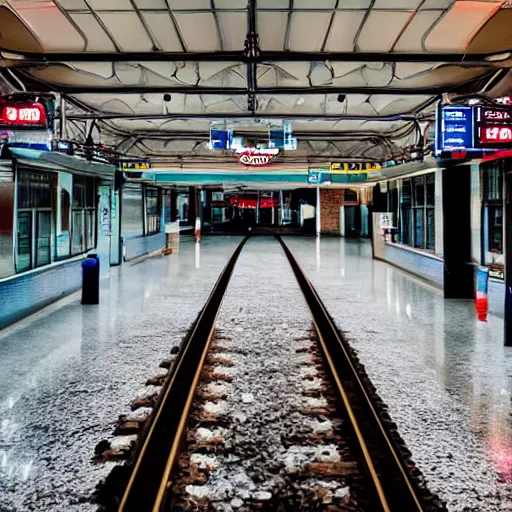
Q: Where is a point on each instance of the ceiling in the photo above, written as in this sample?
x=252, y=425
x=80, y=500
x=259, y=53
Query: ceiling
x=358, y=78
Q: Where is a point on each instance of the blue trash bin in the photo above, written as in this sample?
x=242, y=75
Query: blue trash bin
x=91, y=280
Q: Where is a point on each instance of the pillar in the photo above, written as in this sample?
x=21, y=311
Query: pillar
x=193, y=205
x=174, y=205
x=507, y=179
x=318, y=209
x=458, y=270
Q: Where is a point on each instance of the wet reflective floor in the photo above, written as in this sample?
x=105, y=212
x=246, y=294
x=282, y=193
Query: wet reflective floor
x=446, y=377
x=69, y=372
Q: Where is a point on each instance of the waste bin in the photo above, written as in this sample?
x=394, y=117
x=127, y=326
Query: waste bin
x=482, y=286
x=91, y=279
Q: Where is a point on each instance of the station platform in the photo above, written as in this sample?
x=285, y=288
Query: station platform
x=69, y=371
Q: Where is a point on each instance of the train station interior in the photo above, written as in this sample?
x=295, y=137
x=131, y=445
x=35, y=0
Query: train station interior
x=254, y=255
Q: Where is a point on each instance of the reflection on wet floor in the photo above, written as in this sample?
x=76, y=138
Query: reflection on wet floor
x=400, y=324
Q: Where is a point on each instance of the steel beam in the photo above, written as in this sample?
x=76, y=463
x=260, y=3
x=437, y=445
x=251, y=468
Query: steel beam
x=244, y=115
x=483, y=59
x=273, y=91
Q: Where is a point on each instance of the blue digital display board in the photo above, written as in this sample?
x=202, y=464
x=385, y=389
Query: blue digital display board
x=455, y=129
x=220, y=139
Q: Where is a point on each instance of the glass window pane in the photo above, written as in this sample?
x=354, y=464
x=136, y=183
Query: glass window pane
x=90, y=223
x=419, y=190
x=24, y=241
x=132, y=219
x=34, y=189
x=77, y=246
x=43, y=239
x=419, y=228
x=431, y=190
x=431, y=229
x=496, y=229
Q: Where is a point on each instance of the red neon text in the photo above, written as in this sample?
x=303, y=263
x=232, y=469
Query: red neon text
x=496, y=134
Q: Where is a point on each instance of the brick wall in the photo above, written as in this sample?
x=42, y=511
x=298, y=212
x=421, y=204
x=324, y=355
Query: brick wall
x=330, y=203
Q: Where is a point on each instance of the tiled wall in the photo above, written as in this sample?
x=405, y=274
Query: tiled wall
x=136, y=247
x=25, y=294
x=425, y=267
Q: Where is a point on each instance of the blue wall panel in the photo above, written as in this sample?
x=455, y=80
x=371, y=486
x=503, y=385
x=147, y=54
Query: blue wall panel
x=139, y=246
x=423, y=266
x=25, y=294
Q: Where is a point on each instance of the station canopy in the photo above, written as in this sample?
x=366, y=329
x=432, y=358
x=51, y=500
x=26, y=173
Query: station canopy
x=358, y=79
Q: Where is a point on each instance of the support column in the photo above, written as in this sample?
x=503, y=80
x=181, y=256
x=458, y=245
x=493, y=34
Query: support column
x=318, y=208
x=192, y=205
x=174, y=205
x=458, y=270
x=507, y=179
x=281, y=209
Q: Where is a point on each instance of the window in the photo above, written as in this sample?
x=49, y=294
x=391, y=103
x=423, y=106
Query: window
x=417, y=201
x=152, y=211
x=34, y=236
x=56, y=217
x=24, y=241
x=132, y=219
x=493, y=207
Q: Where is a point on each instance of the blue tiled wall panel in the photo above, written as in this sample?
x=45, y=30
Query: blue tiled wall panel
x=27, y=293
x=136, y=247
x=496, y=297
x=427, y=268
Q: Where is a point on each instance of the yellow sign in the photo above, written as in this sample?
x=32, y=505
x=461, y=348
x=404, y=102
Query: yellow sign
x=135, y=166
x=354, y=167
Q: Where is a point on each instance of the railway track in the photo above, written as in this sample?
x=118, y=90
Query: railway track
x=216, y=442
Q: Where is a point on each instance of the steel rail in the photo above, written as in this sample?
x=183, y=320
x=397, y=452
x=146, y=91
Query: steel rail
x=392, y=482
x=148, y=482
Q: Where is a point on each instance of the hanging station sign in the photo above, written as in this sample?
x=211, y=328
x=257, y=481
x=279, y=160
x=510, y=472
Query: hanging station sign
x=26, y=122
x=476, y=130
x=354, y=167
x=22, y=115
x=253, y=157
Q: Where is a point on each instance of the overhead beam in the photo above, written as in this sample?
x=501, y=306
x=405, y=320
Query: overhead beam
x=242, y=115
x=274, y=91
x=264, y=56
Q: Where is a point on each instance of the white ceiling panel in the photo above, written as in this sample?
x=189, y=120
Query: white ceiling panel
x=373, y=38
x=308, y=31
x=163, y=29
x=272, y=30
x=273, y=4
x=150, y=4
x=461, y=23
x=411, y=39
x=113, y=5
x=190, y=4
x=316, y=4
x=128, y=31
x=97, y=38
x=199, y=32
x=233, y=29
x=343, y=31
x=410, y=5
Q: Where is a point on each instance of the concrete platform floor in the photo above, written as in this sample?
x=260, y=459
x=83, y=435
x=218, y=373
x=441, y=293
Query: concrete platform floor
x=445, y=376
x=70, y=371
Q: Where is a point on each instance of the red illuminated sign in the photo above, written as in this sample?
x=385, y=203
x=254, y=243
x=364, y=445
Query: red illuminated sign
x=256, y=157
x=496, y=134
x=31, y=114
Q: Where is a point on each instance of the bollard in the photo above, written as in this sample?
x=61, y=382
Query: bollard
x=91, y=280
x=482, y=285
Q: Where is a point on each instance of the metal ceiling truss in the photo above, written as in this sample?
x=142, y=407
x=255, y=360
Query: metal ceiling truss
x=480, y=59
